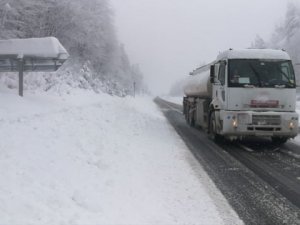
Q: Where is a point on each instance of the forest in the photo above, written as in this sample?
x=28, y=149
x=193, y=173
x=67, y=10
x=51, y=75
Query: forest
x=286, y=36
x=86, y=28
x=98, y=60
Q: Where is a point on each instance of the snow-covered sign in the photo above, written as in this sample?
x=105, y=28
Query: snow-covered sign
x=34, y=54
x=37, y=54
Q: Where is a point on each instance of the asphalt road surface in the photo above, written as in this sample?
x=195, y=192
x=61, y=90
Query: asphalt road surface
x=261, y=181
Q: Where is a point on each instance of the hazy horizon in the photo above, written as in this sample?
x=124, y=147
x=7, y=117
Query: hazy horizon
x=168, y=39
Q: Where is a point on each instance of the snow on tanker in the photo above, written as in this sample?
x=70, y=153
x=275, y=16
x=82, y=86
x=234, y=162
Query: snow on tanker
x=249, y=92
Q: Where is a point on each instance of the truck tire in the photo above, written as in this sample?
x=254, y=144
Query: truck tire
x=186, y=114
x=212, y=129
x=279, y=140
x=191, y=119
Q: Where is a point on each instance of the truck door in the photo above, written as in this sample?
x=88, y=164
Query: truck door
x=220, y=91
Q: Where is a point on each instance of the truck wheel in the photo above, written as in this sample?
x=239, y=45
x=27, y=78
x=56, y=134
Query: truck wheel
x=187, y=116
x=279, y=140
x=213, y=129
x=191, y=119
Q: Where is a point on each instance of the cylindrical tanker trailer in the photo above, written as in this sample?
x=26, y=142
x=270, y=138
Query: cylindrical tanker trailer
x=249, y=92
x=198, y=84
x=198, y=92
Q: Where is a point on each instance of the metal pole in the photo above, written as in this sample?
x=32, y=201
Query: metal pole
x=21, y=70
x=134, y=89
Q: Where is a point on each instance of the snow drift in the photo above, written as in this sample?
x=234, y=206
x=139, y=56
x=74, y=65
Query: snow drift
x=89, y=158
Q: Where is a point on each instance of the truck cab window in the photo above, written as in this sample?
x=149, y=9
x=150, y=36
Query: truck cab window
x=221, y=76
x=261, y=73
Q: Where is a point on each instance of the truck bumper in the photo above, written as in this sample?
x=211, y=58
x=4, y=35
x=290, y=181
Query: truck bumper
x=267, y=124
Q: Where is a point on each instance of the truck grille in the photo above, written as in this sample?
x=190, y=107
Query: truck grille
x=266, y=120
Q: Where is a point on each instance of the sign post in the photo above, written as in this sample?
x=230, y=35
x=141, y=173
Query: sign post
x=31, y=55
x=21, y=76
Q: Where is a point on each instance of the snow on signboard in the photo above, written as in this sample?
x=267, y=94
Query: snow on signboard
x=38, y=54
x=48, y=47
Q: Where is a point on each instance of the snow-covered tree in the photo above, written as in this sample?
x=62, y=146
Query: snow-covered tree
x=287, y=36
x=85, y=28
x=258, y=43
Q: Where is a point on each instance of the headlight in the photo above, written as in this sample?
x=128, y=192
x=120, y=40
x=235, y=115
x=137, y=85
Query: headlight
x=291, y=125
x=235, y=123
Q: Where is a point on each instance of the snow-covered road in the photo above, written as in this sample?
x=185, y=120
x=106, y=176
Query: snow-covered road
x=88, y=158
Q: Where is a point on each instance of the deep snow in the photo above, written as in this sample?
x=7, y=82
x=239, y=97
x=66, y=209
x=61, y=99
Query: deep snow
x=87, y=158
x=297, y=139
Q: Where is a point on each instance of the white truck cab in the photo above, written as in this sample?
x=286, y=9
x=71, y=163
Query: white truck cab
x=250, y=92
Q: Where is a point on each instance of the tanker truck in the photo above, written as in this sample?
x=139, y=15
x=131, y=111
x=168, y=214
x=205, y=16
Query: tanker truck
x=247, y=92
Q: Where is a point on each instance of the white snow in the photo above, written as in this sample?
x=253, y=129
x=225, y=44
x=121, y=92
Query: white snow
x=177, y=100
x=298, y=105
x=297, y=139
x=48, y=47
x=87, y=158
x=254, y=54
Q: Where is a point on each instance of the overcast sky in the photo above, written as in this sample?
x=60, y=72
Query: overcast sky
x=169, y=38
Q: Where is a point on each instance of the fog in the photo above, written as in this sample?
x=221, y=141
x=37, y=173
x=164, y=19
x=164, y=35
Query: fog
x=169, y=38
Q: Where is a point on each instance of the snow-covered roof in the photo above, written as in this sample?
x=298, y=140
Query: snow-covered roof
x=48, y=47
x=254, y=54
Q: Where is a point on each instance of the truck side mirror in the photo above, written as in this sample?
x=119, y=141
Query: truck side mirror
x=212, y=74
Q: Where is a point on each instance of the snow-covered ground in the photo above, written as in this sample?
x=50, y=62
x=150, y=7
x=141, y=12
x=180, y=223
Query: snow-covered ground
x=297, y=139
x=298, y=107
x=178, y=100
x=88, y=158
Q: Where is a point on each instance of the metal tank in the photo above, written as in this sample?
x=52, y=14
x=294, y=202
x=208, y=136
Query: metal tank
x=198, y=83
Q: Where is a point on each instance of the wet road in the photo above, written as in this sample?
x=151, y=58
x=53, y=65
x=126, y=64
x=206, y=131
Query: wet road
x=261, y=181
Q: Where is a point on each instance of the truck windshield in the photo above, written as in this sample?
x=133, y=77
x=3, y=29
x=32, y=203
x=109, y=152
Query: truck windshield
x=261, y=73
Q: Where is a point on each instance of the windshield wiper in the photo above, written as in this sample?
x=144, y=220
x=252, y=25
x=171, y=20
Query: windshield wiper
x=279, y=86
x=249, y=86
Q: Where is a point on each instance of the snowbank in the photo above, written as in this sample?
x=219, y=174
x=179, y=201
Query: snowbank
x=297, y=139
x=177, y=100
x=95, y=159
x=298, y=107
